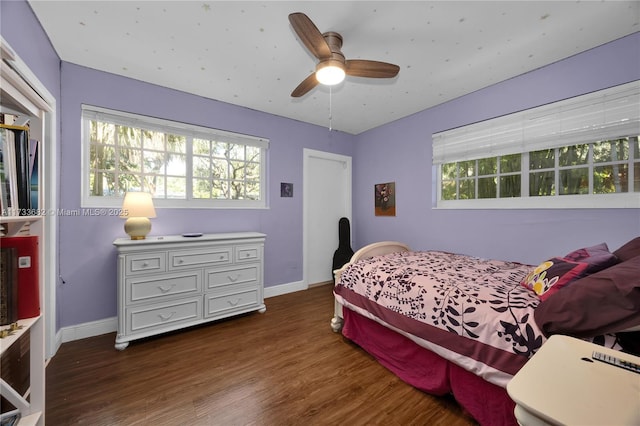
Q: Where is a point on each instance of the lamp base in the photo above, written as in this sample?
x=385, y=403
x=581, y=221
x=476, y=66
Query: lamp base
x=137, y=227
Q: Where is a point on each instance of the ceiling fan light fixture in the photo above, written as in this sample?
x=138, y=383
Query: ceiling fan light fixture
x=330, y=72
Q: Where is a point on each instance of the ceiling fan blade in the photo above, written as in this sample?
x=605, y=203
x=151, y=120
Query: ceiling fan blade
x=306, y=85
x=310, y=35
x=370, y=69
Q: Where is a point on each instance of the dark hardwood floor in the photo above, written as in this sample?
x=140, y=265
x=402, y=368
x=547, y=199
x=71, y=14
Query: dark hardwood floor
x=283, y=367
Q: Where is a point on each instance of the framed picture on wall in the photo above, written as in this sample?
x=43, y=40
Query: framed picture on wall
x=385, y=199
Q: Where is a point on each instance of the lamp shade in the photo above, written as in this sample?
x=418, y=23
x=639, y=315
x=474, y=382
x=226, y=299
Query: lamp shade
x=138, y=204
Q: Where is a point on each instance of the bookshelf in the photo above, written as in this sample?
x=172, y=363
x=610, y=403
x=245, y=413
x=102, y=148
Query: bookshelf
x=31, y=404
x=23, y=97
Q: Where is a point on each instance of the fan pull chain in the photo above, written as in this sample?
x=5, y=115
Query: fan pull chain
x=330, y=111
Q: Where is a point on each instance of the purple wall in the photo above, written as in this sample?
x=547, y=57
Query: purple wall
x=87, y=256
x=401, y=152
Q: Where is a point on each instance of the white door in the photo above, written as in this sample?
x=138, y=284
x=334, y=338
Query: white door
x=327, y=198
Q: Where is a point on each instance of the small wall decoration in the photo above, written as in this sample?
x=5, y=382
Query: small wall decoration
x=286, y=190
x=385, y=199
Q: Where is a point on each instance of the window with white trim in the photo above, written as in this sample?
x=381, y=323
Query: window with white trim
x=581, y=152
x=181, y=165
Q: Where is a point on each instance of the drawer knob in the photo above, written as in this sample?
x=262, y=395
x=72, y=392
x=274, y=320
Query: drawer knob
x=180, y=260
x=166, y=317
x=247, y=255
x=232, y=303
x=166, y=289
x=145, y=264
x=234, y=278
x=221, y=257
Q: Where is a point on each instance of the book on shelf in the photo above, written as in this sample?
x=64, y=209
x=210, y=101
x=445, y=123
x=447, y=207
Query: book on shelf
x=18, y=171
x=8, y=285
x=27, y=274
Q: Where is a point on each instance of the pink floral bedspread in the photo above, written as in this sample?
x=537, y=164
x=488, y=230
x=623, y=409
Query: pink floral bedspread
x=471, y=311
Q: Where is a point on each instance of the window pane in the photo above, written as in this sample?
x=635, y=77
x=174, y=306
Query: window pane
x=487, y=166
x=467, y=189
x=202, y=188
x=201, y=146
x=253, y=190
x=102, y=133
x=153, y=140
x=544, y=159
x=176, y=187
x=510, y=163
x=510, y=186
x=636, y=177
x=177, y=165
x=573, y=155
x=448, y=190
x=221, y=169
x=607, y=151
x=176, y=143
x=102, y=157
x=219, y=149
x=610, y=179
x=160, y=190
x=129, y=137
x=253, y=153
x=102, y=184
x=153, y=162
x=449, y=171
x=130, y=160
x=635, y=141
x=487, y=187
x=467, y=168
x=574, y=181
x=252, y=171
x=236, y=152
x=541, y=184
x=201, y=167
x=220, y=189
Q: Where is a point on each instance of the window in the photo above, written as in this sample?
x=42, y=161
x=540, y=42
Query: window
x=582, y=152
x=181, y=165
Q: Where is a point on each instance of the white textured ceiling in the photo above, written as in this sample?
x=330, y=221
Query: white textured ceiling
x=246, y=53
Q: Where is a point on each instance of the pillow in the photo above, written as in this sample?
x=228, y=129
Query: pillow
x=605, y=302
x=598, y=257
x=553, y=274
x=628, y=251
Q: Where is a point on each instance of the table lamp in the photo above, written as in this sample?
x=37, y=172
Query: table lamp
x=137, y=208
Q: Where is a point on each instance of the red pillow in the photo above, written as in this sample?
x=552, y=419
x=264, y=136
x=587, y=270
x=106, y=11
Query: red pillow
x=598, y=257
x=553, y=274
x=629, y=250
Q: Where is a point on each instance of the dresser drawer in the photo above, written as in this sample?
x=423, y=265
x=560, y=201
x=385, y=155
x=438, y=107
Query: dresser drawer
x=152, y=287
x=218, y=304
x=146, y=263
x=163, y=316
x=248, y=253
x=217, y=278
x=205, y=257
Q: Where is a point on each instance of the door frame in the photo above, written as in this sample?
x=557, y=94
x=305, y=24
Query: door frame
x=308, y=156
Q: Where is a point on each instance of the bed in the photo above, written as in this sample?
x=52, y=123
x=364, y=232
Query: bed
x=452, y=323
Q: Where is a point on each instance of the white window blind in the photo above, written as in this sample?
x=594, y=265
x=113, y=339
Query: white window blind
x=167, y=126
x=602, y=115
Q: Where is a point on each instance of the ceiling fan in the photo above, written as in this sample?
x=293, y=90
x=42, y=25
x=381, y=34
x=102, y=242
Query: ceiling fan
x=333, y=66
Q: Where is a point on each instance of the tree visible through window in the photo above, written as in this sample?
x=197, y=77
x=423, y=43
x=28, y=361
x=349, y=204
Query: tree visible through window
x=171, y=163
x=604, y=167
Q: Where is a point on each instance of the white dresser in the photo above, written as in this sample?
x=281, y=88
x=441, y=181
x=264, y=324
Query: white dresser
x=170, y=282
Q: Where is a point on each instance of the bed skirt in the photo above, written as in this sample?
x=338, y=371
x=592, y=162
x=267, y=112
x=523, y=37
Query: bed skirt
x=487, y=403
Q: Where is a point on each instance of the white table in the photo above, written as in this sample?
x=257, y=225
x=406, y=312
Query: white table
x=558, y=387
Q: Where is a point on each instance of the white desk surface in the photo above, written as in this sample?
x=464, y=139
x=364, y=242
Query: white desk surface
x=559, y=387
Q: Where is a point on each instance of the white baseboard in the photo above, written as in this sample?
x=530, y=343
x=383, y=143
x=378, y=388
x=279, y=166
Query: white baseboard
x=109, y=325
x=89, y=329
